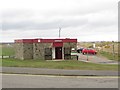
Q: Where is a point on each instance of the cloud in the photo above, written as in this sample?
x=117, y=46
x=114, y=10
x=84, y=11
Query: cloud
x=77, y=18
x=25, y=21
x=49, y=24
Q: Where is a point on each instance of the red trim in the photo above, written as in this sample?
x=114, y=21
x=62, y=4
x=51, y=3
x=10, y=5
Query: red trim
x=57, y=44
x=54, y=40
x=45, y=40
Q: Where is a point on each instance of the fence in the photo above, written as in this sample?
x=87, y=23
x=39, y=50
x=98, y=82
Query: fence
x=2, y=57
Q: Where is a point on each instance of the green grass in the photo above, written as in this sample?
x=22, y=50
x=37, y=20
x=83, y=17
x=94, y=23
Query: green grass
x=68, y=64
x=7, y=51
x=109, y=55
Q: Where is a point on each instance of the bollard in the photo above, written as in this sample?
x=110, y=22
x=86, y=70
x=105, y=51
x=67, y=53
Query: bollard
x=77, y=57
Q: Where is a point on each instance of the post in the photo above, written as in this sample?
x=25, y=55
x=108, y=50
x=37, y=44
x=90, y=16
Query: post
x=2, y=56
x=59, y=31
x=77, y=57
x=113, y=50
x=87, y=54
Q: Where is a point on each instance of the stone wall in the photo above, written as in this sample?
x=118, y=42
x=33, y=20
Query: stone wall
x=70, y=46
x=39, y=50
x=23, y=51
x=19, y=50
x=28, y=51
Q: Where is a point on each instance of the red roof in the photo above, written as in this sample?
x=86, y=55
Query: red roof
x=45, y=40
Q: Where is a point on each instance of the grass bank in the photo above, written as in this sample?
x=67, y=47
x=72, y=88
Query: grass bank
x=68, y=64
x=109, y=55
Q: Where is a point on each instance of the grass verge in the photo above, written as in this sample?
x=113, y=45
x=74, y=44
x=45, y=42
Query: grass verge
x=109, y=55
x=68, y=64
x=7, y=51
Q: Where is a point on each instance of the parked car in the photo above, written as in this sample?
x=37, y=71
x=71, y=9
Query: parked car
x=80, y=50
x=89, y=51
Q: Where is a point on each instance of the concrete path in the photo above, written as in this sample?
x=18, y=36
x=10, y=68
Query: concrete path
x=95, y=59
x=43, y=71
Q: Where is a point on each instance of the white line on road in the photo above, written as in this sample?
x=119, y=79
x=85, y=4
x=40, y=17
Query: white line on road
x=65, y=76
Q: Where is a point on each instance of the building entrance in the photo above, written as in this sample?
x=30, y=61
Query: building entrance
x=58, y=52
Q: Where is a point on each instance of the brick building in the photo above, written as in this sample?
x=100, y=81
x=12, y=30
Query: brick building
x=46, y=49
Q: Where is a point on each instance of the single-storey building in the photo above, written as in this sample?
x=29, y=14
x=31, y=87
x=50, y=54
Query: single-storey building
x=46, y=49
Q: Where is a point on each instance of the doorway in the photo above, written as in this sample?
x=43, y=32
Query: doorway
x=58, y=52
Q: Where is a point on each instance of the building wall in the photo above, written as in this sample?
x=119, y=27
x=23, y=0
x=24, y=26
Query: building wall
x=28, y=51
x=19, y=51
x=24, y=50
x=39, y=50
x=69, y=47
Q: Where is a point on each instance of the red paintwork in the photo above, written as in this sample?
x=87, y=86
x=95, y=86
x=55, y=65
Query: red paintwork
x=89, y=51
x=45, y=40
x=57, y=44
x=54, y=40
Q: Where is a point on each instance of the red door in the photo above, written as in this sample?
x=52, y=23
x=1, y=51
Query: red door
x=58, y=53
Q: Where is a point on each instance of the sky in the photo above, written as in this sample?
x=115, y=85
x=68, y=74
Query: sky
x=86, y=20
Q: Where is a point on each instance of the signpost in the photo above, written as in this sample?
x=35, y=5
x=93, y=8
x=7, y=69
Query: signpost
x=113, y=50
x=59, y=31
x=87, y=54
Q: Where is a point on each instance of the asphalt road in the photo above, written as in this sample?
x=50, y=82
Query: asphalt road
x=42, y=81
x=45, y=71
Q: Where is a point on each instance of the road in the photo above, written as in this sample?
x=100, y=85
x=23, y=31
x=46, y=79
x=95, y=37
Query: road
x=44, y=81
x=46, y=71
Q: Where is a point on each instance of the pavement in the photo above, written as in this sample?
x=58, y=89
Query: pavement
x=96, y=59
x=62, y=72
x=48, y=81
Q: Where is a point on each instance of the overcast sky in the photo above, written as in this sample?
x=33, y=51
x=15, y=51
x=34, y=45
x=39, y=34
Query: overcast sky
x=86, y=20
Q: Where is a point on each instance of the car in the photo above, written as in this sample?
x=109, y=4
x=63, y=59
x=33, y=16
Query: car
x=80, y=50
x=89, y=51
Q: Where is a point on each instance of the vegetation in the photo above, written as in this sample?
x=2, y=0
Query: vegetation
x=7, y=50
x=106, y=49
x=109, y=55
x=67, y=64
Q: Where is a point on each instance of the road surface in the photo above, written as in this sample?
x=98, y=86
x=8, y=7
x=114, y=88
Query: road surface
x=46, y=71
x=44, y=81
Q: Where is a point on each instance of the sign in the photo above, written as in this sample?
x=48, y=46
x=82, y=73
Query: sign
x=57, y=44
x=74, y=53
x=58, y=41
